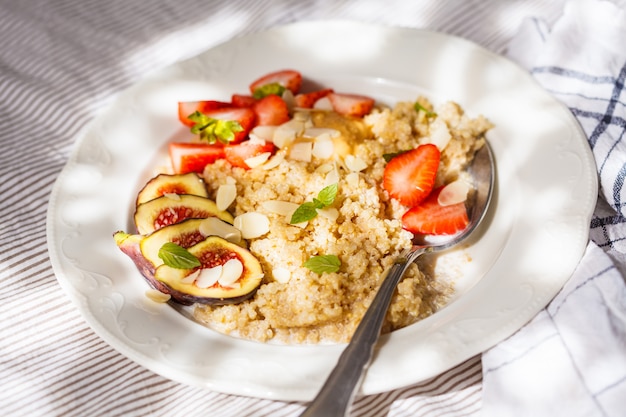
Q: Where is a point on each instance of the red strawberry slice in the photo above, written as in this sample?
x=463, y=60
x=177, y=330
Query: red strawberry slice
x=237, y=154
x=242, y=100
x=186, y=108
x=271, y=111
x=409, y=177
x=245, y=116
x=290, y=79
x=307, y=100
x=432, y=219
x=193, y=157
x=351, y=104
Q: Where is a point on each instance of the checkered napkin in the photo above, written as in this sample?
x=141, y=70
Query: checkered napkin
x=570, y=360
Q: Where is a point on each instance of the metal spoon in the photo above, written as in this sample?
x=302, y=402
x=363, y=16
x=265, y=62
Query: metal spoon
x=339, y=389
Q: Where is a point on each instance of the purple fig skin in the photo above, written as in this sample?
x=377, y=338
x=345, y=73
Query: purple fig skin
x=129, y=244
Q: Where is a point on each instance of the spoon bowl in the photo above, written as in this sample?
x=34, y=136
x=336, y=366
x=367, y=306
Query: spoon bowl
x=338, y=391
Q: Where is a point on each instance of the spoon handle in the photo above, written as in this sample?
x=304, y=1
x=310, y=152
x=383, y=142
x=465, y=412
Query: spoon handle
x=340, y=387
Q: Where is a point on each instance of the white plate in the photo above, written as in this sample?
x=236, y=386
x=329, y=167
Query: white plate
x=534, y=237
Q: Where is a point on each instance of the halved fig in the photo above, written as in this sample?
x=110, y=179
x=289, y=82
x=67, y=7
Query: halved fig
x=202, y=285
x=170, y=209
x=186, y=233
x=164, y=184
x=130, y=245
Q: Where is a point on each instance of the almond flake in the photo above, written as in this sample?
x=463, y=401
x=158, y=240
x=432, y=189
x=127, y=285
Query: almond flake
x=225, y=196
x=353, y=179
x=453, y=193
x=323, y=104
x=252, y=224
x=172, y=196
x=439, y=134
x=354, y=163
x=283, y=208
x=258, y=160
x=316, y=132
x=330, y=213
x=281, y=275
x=274, y=161
x=157, y=296
x=212, y=226
x=323, y=147
x=332, y=177
x=209, y=276
x=231, y=272
x=191, y=278
x=265, y=133
x=301, y=151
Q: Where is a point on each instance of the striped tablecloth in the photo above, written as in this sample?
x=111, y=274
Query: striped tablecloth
x=61, y=62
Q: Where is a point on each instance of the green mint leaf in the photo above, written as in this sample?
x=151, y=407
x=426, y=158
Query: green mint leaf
x=417, y=106
x=323, y=263
x=328, y=194
x=304, y=213
x=318, y=204
x=389, y=156
x=268, y=89
x=178, y=257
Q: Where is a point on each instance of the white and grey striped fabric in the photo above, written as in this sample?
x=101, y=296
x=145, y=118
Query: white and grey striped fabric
x=64, y=61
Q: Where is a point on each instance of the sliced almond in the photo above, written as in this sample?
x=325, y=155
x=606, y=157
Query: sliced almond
x=274, y=161
x=282, y=275
x=212, y=226
x=191, y=278
x=439, y=134
x=231, y=272
x=323, y=147
x=353, y=179
x=332, y=177
x=258, y=160
x=265, y=133
x=323, y=104
x=252, y=224
x=225, y=196
x=301, y=151
x=157, y=296
x=289, y=100
x=283, y=208
x=330, y=213
x=354, y=163
x=172, y=196
x=209, y=276
x=453, y=193
x=316, y=132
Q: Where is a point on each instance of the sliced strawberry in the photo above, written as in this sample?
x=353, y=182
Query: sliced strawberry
x=351, y=104
x=242, y=100
x=186, y=108
x=430, y=218
x=290, y=79
x=307, y=100
x=237, y=154
x=271, y=111
x=193, y=157
x=245, y=116
x=410, y=176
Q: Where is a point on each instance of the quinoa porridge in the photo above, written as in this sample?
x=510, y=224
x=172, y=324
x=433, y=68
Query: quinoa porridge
x=362, y=226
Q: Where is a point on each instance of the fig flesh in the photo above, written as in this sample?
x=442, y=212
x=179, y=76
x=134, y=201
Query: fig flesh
x=215, y=254
x=164, y=184
x=170, y=209
x=185, y=234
